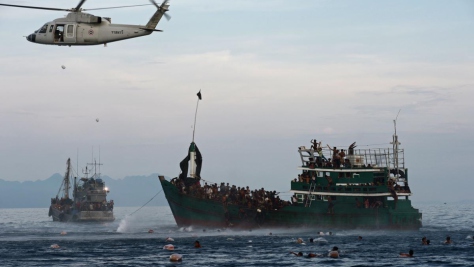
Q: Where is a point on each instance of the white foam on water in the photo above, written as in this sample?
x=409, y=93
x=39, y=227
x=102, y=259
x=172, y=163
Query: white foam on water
x=124, y=225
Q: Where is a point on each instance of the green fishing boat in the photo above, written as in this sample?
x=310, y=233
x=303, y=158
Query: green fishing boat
x=346, y=189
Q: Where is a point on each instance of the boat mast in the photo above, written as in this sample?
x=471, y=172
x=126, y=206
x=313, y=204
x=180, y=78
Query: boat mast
x=66, y=180
x=395, y=144
x=192, y=150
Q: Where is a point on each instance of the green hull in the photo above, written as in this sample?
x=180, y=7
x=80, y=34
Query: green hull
x=192, y=211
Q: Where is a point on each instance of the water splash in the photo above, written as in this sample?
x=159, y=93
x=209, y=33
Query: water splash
x=124, y=225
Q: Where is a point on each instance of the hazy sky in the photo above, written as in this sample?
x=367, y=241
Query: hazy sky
x=274, y=74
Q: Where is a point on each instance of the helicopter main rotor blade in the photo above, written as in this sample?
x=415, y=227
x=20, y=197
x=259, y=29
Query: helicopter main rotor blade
x=115, y=7
x=77, y=8
x=38, y=7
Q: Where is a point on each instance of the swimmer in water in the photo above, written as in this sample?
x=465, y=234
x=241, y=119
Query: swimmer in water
x=313, y=255
x=360, y=237
x=299, y=254
x=299, y=241
x=197, y=244
x=151, y=231
x=448, y=240
x=311, y=240
x=423, y=241
x=407, y=255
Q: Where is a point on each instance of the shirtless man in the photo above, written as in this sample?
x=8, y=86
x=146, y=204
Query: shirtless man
x=448, y=240
x=407, y=255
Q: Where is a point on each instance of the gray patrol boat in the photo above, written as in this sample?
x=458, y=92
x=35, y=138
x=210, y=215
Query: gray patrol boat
x=89, y=202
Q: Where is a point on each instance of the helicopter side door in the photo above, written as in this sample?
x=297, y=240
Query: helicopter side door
x=70, y=33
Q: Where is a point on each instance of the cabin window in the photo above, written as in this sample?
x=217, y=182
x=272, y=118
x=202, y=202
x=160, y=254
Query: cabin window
x=355, y=175
x=43, y=29
x=70, y=31
x=299, y=197
x=320, y=174
x=51, y=28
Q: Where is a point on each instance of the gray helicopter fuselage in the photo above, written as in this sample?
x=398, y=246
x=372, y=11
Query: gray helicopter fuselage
x=85, y=29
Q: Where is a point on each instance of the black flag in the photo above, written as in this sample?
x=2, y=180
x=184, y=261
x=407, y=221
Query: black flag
x=199, y=95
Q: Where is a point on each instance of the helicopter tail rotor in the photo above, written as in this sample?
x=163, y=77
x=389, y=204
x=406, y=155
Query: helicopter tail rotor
x=161, y=12
x=163, y=8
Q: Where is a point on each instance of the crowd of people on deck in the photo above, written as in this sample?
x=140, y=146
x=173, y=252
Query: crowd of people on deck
x=241, y=196
x=338, y=157
x=66, y=205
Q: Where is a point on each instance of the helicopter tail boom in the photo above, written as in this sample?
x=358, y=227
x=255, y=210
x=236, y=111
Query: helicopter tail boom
x=155, y=19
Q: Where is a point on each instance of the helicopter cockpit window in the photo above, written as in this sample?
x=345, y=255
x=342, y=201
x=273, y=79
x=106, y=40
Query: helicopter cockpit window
x=43, y=29
x=51, y=28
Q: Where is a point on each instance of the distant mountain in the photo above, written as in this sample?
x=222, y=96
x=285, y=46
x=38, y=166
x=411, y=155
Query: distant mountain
x=131, y=191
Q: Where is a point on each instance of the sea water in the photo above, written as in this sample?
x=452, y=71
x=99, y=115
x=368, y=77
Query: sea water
x=26, y=236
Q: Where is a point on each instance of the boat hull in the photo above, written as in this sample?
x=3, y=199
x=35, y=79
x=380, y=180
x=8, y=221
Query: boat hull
x=80, y=216
x=192, y=211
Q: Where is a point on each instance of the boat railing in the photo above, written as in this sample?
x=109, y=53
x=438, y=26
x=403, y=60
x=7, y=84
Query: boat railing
x=373, y=157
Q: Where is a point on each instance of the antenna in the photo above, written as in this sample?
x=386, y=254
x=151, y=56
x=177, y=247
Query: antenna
x=99, y=161
x=395, y=144
x=395, y=121
x=77, y=162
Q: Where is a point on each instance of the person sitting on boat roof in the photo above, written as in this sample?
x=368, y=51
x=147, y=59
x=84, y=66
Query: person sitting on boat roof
x=315, y=144
x=336, y=159
x=351, y=148
x=347, y=164
x=342, y=155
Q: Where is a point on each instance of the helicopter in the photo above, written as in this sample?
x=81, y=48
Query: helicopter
x=79, y=28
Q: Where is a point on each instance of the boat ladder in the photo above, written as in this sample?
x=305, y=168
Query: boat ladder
x=309, y=199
